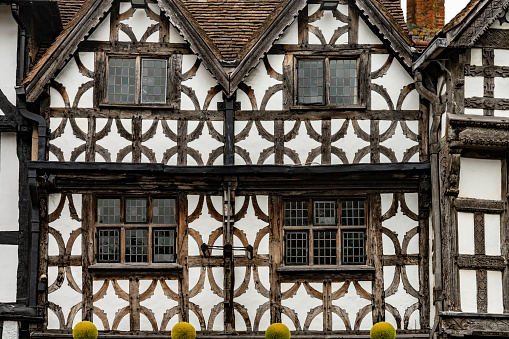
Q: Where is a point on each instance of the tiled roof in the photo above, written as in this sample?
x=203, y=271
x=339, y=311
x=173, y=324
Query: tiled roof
x=68, y=9
x=460, y=16
x=394, y=7
x=231, y=26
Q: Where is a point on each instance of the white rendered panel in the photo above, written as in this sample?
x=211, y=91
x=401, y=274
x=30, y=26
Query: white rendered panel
x=66, y=296
x=65, y=225
x=328, y=24
x=502, y=114
x=9, y=174
x=400, y=223
x=175, y=37
x=366, y=36
x=468, y=290
x=495, y=295
x=250, y=225
x=10, y=330
x=474, y=111
x=352, y=303
x=474, y=87
x=260, y=82
x=101, y=32
x=254, y=143
x=206, y=299
x=71, y=78
x=68, y=142
x=139, y=22
x=476, y=57
x=302, y=144
x=301, y=303
x=398, y=143
x=401, y=300
x=480, y=178
x=9, y=269
x=492, y=237
x=350, y=143
x=502, y=56
x=290, y=35
x=114, y=142
x=8, y=53
x=159, y=304
x=111, y=304
x=501, y=88
x=201, y=84
x=394, y=81
x=466, y=231
x=252, y=300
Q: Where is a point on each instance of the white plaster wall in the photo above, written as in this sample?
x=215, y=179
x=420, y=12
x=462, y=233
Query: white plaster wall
x=113, y=142
x=474, y=87
x=8, y=53
x=352, y=303
x=399, y=143
x=111, y=304
x=492, y=236
x=468, y=290
x=302, y=303
x=254, y=143
x=102, y=31
x=476, y=57
x=251, y=299
x=502, y=56
x=328, y=25
x=495, y=295
x=260, y=82
x=175, y=36
x=201, y=84
x=71, y=78
x=139, y=24
x=10, y=330
x=159, y=304
x=480, y=178
x=350, y=143
x=67, y=142
x=9, y=269
x=9, y=174
x=501, y=87
x=290, y=35
x=366, y=35
x=466, y=229
x=474, y=111
x=302, y=144
x=250, y=224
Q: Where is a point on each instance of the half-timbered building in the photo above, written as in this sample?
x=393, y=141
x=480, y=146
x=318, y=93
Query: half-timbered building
x=232, y=164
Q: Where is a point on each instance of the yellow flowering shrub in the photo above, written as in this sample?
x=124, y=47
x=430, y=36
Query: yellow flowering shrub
x=183, y=330
x=382, y=330
x=277, y=331
x=84, y=330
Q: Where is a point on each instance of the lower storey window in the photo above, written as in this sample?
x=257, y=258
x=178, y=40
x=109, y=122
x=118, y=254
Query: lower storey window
x=318, y=232
x=135, y=230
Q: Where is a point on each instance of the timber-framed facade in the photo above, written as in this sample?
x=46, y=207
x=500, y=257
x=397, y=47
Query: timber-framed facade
x=238, y=164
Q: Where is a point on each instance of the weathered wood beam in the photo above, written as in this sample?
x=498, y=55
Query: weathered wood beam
x=478, y=205
x=137, y=48
x=480, y=262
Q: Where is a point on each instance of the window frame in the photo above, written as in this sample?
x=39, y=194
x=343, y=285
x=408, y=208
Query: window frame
x=172, y=88
x=122, y=226
x=338, y=227
x=363, y=78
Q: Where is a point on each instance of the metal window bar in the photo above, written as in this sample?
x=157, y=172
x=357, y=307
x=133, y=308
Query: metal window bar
x=109, y=245
x=108, y=211
x=354, y=248
x=164, y=245
x=353, y=213
x=297, y=248
x=296, y=213
x=136, y=245
x=324, y=247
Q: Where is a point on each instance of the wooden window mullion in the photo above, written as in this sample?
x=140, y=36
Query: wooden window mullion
x=326, y=81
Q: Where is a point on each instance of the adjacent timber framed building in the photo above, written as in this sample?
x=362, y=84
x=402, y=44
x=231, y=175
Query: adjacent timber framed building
x=238, y=163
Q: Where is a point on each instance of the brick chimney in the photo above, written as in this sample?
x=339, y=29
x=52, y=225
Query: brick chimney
x=425, y=18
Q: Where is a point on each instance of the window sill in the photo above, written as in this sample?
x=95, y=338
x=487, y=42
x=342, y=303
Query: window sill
x=319, y=273
x=326, y=107
x=137, y=106
x=118, y=270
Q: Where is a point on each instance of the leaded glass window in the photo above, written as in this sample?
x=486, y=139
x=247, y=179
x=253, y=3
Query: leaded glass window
x=121, y=81
x=136, y=229
x=137, y=80
x=325, y=232
x=327, y=81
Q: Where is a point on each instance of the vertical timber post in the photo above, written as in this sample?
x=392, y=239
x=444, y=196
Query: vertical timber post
x=229, y=186
x=229, y=106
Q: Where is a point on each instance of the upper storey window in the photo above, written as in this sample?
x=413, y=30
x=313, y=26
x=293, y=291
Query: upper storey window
x=327, y=82
x=137, y=80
